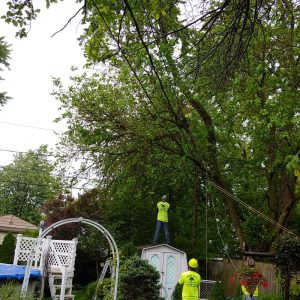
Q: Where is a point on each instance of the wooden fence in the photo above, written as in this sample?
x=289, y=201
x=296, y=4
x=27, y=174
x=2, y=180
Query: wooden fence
x=223, y=270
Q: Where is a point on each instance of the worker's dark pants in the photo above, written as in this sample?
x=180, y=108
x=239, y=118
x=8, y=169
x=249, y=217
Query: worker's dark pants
x=245, y=297
x=160, y=224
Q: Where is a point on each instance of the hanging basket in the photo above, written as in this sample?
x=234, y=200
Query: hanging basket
x=250, y=281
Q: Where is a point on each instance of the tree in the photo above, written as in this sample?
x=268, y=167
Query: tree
x=7, y=249
x=138, y=280
x=158, y=98
x=92, y=248
x=27, y=183
x=175, y=83
x=256, y=120
x=4, y=57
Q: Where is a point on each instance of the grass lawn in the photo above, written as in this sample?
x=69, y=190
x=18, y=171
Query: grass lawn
x=79, y=295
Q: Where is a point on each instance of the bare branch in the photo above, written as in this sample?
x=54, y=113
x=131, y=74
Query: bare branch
x=69, y=21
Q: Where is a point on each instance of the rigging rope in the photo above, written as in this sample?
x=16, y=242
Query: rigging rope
x=218, y=228
x=252, y=209
x=219, y=232
x=208, y=181
x=206, y=221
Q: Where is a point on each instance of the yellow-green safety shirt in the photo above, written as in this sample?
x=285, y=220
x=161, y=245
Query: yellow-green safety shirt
x=163, y=208
x=245, y=292
x=191, y=281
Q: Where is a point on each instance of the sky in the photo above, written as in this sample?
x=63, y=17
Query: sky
x=34, y=60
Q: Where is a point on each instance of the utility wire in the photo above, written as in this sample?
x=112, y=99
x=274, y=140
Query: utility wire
x=44, y=155
x=40, y=171
x=43, y=185
x=32, y=127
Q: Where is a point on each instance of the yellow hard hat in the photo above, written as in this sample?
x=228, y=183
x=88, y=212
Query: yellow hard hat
x=193, y=263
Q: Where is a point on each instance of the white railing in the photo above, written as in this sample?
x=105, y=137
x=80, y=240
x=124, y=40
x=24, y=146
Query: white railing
x=51, y=257
x=62, y=254
x=58, y=253
x=23, y=249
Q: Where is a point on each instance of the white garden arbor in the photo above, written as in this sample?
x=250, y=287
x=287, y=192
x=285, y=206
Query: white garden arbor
x=43, y=234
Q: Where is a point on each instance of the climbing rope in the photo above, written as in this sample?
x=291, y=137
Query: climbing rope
x=219, y=233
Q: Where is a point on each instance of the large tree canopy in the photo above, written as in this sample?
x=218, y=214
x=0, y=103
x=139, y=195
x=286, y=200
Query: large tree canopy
x=210, y=88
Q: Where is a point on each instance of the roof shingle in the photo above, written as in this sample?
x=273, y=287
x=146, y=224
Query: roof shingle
x=11, y=223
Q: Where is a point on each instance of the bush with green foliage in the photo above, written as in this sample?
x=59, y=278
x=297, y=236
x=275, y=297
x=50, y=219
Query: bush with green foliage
x=104, y=290
x=128, y=249
x=138, y=280
x=217, y=292
x=295, y=287
x=177, y=294
x=30, y=233
x=7, y=249
x=287, y=258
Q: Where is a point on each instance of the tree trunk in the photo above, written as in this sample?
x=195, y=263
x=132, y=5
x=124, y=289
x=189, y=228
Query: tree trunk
x=287, y=281
x=232, y=213
x=213, y=163
x=287, y=200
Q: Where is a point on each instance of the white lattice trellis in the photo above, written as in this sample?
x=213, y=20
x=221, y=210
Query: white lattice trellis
x=62, y=253
x=59, y=252
x=23, y=249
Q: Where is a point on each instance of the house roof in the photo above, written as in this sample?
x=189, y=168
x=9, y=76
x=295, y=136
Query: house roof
x=11, y=223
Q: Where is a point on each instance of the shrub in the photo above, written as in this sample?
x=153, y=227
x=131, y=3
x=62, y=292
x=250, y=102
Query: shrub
x=30, y=233
x=287, y=257
x=104, y=289
x=217, y=292
x=7, y=249
x=177, y=294
x=295, y=287
x=128, y=249
x=138, y=280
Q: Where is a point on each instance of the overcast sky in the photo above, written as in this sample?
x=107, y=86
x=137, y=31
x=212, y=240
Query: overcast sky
x=33, y=61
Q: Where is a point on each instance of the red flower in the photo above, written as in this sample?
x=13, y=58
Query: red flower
x=265, y=283
x=244, y=283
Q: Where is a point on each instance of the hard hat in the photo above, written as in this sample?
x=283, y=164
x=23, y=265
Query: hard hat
x=193, y=263
x=164, y=197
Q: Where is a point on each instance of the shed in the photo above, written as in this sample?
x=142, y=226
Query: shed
x=170, y=262
x=13, y=224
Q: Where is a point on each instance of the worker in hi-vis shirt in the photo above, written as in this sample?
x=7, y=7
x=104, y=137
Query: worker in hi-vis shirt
x=162, y=219
x=245, y=292
x=190, y=281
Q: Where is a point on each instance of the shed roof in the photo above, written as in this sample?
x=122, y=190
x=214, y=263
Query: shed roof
x=162, y=246
x=11, y=223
